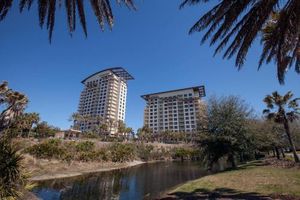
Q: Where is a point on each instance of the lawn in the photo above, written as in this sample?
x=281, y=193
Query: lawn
x=250, y=181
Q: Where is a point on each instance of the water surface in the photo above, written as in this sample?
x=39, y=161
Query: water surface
x=145, y=181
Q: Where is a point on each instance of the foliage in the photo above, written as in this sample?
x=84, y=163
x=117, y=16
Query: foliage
x=47, y=12
x=144, y=134
x=236, y=24
x=12, y=102
x=48, y=149
x=182, y=153
x=44, y=130
x=287, y=111
x=144, y=152
x=23, y=124
x=226, y=134
x=122, y=152
x=85, y=146
x=90, y=135
x=12, y=178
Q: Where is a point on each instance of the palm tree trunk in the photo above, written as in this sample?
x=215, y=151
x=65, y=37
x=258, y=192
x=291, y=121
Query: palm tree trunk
x=288, y=133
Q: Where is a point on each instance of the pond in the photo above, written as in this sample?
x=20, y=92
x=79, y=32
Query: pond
x=146, y=181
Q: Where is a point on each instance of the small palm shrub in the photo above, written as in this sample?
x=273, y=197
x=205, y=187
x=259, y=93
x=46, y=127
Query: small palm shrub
x=12, y=178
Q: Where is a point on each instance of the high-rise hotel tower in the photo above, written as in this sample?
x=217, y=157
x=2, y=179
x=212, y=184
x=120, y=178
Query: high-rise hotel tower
x=104, y=95
x=176, y=110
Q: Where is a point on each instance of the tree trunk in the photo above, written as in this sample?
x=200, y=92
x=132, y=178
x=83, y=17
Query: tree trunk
x=231, y=160
x=288, y=133
x=273, y=152
x=277, y=153
x=282, y=152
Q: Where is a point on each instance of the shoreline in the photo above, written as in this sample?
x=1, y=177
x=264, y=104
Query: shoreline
x=73, y=174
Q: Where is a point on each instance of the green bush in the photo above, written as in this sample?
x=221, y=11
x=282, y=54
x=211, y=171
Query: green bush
x=48, y=149
x=87, y=156
x=122, y=152
x=90, y=135
x=85, y=146
x=144, y=152
x=99, y=155
x=181, y=153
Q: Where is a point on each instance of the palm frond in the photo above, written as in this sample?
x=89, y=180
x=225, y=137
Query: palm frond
x=47, y=12
x=236, y=24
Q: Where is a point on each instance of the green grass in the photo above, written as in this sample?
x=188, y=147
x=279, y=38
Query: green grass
x=252, y=178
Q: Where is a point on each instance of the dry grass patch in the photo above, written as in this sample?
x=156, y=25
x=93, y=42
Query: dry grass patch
x=250, y=178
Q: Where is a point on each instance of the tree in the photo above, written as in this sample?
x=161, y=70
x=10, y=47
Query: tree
x=121, y=127
x=12, y=178
x=236, y=24
x=112, y=123
x=267, y=136
x=25, y=122
x=47, y=12
x=13, y=104
x=287, y=111
x=144, y=134
x=226, y=133
x=44, y=130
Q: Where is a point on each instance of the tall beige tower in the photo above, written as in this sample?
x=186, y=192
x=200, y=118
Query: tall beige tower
x=104, y=95
x=176, y=110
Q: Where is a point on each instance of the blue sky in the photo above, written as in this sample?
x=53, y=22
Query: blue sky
x=152, y=43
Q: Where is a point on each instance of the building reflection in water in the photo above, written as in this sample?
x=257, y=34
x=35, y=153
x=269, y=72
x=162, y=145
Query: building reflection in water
x=141, y=182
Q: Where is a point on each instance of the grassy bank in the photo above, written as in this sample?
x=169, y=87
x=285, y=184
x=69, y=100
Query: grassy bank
x=55, y=158
x=255, y=180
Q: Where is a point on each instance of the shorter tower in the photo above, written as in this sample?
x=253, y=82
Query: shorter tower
x=104, y=96
x=176, y=110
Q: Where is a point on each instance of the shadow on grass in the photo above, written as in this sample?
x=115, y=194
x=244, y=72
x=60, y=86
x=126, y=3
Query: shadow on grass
x=252, y=164
x=218, y=193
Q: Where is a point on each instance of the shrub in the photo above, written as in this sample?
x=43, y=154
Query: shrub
x=122, y=152
x=85, y=146
x=48, y=149
x=90, y=135
x=99, y=155
x=181, y=153
x=87, y=156
x=144, y=152
x=13, y=179
x=103, y=155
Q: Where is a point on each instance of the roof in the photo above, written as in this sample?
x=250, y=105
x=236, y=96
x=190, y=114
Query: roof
x=118, y=71
x=200, y=88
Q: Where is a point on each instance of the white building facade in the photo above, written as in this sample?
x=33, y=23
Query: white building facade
x=176, y=111
x=104, y=95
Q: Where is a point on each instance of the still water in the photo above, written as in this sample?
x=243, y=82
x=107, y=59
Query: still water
x=145, y=181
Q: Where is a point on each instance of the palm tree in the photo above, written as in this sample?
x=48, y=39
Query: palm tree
x=26, y=121
x=288, y=110
x=47, y=8
x=14, y=104
x=236, y=24
x=12, y=179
